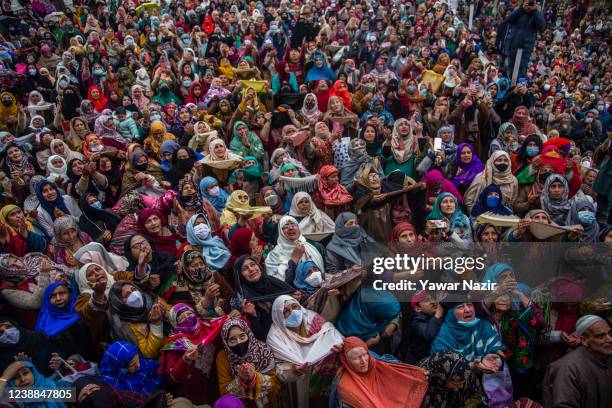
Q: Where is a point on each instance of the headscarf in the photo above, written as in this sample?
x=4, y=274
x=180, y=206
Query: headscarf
x=368, y=313
x=113, y=369
x=235, y=207
x=591, y=231
x=55, y=172
x=267, y=288
x=458, y=220
x=316, y=222
x=53, y=320
x=295, y=348
x=275, y=168
x=473, y=341
x=95, y=252
x=344, y=95
x=402, y=148
x=506, y=181
x=524, y=126
x=301, y=273
x=40, y=382
x=279, y=207
x=433, y=179
x=374, y=146
x=22, y=165
x=313, y=114
x=358, y=160
x=444, y=367
x=393, y=242
x=62, y=224
x=163, y=243
x=371, y=389
x=68, y=154
x=83, y=283
x=107, y=133
x=482, y=207
x=258, y=353
x=347, y=241
x=225, y=162
x=49, y=206
x=278, y=259
x=337, y=195
x=557, y=209
x=32, y=263
x=214, y=250
x=121, y=313
x=169, y=146
x=315, y=73
x=217, y=201
x=251, y=173
x=466, y=171
x=6, y=211
x=100, y=103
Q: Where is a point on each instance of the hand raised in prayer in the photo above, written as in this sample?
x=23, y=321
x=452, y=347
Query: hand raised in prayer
x=246, y=372
x=248, y=308
x=233, y=313
x=372, y=341
x=298, y=252
x=190, y=355
x=337, y=348
x=333, y=293
x=571, y=339
x=45, y=267
x=600, y=305
x=169, y=399
x=154, y=281
x=10, y=371
x=301, y=368
x=212, y=292
x=575, y=232
x=58, y=213
x=22, y=229
x=55, y=362
x=389, y=330
x=155, y=315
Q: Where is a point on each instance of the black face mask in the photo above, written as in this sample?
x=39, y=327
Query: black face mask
x=7, y=102
x=165, y=91
x=240, y=349
x=542, y=177
x=501, y=167
x=141, y=167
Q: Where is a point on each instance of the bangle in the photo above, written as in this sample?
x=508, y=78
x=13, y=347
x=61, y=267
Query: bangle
x=4, y=380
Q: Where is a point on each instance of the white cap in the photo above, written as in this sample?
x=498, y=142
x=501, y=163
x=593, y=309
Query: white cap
x=585, y=322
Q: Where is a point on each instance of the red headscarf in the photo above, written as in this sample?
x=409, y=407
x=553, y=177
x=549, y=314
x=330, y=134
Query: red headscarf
x=163, y=243
x=322, y=97
x=337, y=195
x=100, y=103
x=343, y=94
x=371, y=389
x=561, y=143
x=551, y=156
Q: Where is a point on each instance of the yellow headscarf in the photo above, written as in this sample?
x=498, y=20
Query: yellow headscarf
x=227, y=69
x=6, y=111
x=236, y=205
x=156, y=126
x=4, y=213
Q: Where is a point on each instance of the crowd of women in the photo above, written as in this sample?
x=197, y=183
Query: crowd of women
x=189, y=191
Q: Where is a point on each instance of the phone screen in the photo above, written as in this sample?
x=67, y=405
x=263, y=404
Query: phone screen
x=438, y=144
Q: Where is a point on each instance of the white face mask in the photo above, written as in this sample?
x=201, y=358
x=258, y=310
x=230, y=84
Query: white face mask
x=271, y=199
x=315, y=279
x=10, y=336
x=201, y=231
x=97, y=148
x=214, y=191
x=135, y=300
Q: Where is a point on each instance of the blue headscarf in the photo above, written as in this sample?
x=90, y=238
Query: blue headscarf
x=214, y=250
x=501, y=84
x=481, y=205
x=169, y=146
x=459, y=222
x=496, y=269
x=42, y=382
x=217, y=202
x=53, y=320
x=473, y=341
x=315, y=73
x=49, y=206
x=369, y=317
x=301, y=273
x=113, y=369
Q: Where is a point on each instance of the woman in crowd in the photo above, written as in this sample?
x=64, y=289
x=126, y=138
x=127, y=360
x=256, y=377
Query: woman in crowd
x=331, y=196
x=17, y=234
x=125, y=368
x=497, y=171
x=53, y=205
x=344, y=251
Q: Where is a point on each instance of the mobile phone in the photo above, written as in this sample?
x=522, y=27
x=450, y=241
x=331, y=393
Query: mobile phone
x=522, y=81
x=439, y=224
x=437, y=144
x=422, y=143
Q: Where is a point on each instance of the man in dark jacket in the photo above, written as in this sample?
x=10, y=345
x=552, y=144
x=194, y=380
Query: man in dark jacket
x=587, y=132
x=525, y=22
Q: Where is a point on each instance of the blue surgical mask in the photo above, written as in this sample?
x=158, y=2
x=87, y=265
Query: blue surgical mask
x=186, y=84
x=135, y=300
x=492, y=201
x=10, y=336
x=294, y=319
x=469, y=324
x=586, y=217
x=155, y=117
x=214, y=191
x=532, y=151
x=99, y=71
x=97, y=205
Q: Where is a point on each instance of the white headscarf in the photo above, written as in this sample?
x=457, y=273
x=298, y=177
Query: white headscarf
x=83, y=283
x=96, y=253
x=316, y=223
x=506, y=182
x=289, y=346
x=278, y=258
x=55, y=172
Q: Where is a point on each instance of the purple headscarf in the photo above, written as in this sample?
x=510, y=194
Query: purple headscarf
x=468, y=170
x=229, y=401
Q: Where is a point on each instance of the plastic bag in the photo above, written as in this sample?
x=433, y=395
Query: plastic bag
x=498, y=387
